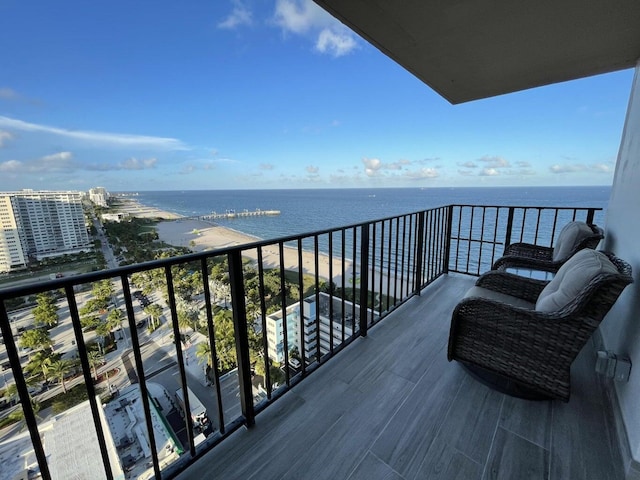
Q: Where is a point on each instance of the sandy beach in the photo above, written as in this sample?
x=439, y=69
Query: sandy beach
x=134, y=208
x=207, y=236
x=199, y=235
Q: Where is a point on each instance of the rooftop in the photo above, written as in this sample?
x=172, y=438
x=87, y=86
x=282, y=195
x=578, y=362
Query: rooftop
x=392, y=407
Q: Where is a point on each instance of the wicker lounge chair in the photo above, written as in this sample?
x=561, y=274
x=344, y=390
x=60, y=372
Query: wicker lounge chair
x=573, y=237
x=521, y=335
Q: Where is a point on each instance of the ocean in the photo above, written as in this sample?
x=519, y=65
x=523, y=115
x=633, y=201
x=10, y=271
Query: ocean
x=308, y=210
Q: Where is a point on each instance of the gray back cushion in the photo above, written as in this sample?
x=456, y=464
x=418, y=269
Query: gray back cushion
x=572, y=277
x=570, y=236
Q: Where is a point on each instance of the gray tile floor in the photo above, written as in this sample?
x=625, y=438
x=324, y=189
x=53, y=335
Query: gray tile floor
x=391, y=407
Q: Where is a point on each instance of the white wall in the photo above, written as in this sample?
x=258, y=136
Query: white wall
x=621, y=328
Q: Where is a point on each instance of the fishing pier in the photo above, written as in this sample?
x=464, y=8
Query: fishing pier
x=233, y=214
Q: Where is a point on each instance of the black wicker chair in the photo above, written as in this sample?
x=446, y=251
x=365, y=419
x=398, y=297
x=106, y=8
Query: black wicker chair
x=526, y=350
x=572, y=238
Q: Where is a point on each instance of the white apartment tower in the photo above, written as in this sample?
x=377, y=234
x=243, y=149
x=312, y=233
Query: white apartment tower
x=99, y=196
x=316, y=327
x=40, y=224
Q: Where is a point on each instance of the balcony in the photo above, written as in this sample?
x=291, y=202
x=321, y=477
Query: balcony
x=392, y=407
x=385, y=403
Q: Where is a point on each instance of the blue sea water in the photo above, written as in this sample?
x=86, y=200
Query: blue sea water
x=316, y=209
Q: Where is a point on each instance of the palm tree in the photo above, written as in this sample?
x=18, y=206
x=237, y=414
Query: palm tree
x=103, y=330
x=96, y=358
x=40, y=361
x=103, y=290
x=59, y=369
x=155, y=312
x=203, y=353
x=11, y=392
x=187, y=316
x=46, y=312
x=114, y=319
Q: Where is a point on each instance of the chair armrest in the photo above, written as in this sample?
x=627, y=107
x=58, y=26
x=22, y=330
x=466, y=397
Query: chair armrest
x=508, y=283
x=513, y=261
x=529, y=250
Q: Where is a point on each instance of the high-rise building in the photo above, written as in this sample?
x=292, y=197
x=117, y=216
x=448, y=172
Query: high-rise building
x=99, y=196
x=39, y=224
x=328, y=323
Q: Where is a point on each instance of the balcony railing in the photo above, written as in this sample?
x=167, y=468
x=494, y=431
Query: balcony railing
x=343, y=280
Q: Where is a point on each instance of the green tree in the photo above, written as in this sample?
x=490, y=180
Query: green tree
x=103, y=330
x=187, y=316
x=103, y=290
x=155, y=312
x=89, y=320
x=11, y=392
x=96, y=358
x=203, y=353
x=59, y=369
x=39, y=363
x=38, y=338
x=93, y=306
x=225, y=340
x=115, y=318
x=46, y=311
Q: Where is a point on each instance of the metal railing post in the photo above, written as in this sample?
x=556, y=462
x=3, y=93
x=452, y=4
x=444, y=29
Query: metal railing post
x=419, y=253
x=507, y=236
x=447, y=238
x=590, y=214
x=364, y=278
x=23, y=392
x=242, y=337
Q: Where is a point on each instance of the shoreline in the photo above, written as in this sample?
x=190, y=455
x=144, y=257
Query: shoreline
x=200, y=235
x=134, y=208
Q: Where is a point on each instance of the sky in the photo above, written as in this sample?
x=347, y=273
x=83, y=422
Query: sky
x=239, y=94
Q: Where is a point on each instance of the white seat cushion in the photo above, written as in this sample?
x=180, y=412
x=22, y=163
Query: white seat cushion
x=570, y=236
x=572, y=277
x=499, y=297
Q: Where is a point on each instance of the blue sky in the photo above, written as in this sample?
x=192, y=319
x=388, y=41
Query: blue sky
x=266, y=94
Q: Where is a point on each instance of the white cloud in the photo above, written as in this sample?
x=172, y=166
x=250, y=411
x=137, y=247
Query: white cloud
x=523, y=164
x=304, y=17
x=240, y=16
x=335, y=43
x=422, y=173
x=187, y=169
x=579, y=167
x=494, y=162
x=103, y=138
x=136, y=164
x=567, y=168
x=371, y=166
x=56, y=157
x=266, y=166
x=602, y=167
x=311, y=169
x=469, y=164
x=4, y=137
x=11, y=166
x=465, y=173
x=489, y=172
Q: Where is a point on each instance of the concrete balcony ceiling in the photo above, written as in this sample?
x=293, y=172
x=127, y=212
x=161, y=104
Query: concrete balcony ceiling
x=468, y=49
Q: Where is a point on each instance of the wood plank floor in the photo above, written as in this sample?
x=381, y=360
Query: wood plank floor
x=391, y=407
